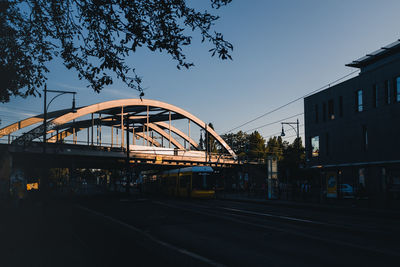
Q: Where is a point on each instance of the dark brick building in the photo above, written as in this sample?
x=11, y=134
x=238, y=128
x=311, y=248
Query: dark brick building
x=352, y=129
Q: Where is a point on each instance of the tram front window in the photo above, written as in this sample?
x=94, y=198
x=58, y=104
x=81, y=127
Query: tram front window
x=203, y=181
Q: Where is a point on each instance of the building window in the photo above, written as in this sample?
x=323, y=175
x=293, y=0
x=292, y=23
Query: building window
x=315, y=146
x=341, y=106
x=365, y=138
x=327, y=143
x=331, y=110
x=397, y=88
x=324, y=111
x=316, y=113
x=387, y=92
x=359, y=101
x=361, y=178
x=375, y=95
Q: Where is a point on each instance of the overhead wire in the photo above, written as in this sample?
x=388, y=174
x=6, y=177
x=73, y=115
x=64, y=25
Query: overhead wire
x=271, y=123
x=19, y=109
x=293, y=135
x=291, y=102
x=290, y=129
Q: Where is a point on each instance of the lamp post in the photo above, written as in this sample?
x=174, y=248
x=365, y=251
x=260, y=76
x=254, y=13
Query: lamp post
x=128, y=173
x=291, y=125
x=283, y=134
x=46, y=107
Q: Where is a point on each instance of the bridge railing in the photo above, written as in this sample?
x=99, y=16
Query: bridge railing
x=156, y=151
x=8, y=139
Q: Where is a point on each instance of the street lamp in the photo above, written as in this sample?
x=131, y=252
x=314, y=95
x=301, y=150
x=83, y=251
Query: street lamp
x=283, y=134
x=291, y=125
x=46, y=107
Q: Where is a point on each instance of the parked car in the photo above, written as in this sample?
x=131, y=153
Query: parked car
x=347, y=191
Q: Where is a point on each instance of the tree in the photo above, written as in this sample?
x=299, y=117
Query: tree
x=211, y=143
x=246, y=146
x=95, y=37
x=238, y=142
x=256, y=146
x=275, y=147
x=201, y=142
x=293, y=159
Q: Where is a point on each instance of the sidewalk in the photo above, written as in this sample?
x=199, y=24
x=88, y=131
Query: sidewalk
x=332, y=206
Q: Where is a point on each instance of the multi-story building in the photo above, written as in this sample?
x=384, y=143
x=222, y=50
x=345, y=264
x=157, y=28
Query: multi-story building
x=352, y=129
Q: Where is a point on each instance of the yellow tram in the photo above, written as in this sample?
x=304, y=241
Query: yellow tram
x=194, y=182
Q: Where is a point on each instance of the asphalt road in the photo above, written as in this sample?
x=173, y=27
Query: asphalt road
x=144, y=231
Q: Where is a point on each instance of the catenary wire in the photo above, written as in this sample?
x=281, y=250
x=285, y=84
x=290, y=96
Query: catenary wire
x=291, y=102
x=19, y=109
x=288, y=130
x=293, y=135
x=271, y=123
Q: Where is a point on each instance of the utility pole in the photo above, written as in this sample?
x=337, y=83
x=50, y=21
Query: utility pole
x=45, y=108
x=44, y=118
x=128, y=173
x=43, y=180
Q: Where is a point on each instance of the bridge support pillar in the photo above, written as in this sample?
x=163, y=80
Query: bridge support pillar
x=5, y=173
x=112, y=133
x=72, y=177
x=122, y=126
x=128, y=171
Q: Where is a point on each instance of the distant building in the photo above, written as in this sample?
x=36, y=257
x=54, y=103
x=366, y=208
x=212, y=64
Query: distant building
x=352, y=129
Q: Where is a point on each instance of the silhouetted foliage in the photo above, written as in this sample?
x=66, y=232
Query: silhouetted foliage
x=212, y=143
x=94, y=37
x=252, y=147
x=275, y=147
x=238, y=142
x=256, y=146
x=201, y=142
x=246, y=146
x=293, y=159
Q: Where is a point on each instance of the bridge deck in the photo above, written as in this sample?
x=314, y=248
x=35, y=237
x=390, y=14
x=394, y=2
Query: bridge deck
x=119, y=155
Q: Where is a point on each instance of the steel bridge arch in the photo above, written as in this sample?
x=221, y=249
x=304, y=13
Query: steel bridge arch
x=70, y=130
x=63, y=117
x=156, y=126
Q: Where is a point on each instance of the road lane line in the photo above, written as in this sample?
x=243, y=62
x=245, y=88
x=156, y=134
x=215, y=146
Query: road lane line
x=152, y=238
x=304, y=235
x=133, y=200
x=347, y=226
x=272, y=215
x=263, y=214
x=351, y=228
x=327, y=224
x=276, y=216
x=76, y=236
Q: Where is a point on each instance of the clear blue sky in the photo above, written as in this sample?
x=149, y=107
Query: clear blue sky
x=282, y=50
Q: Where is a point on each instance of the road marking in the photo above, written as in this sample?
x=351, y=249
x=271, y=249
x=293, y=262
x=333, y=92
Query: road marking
x=265, y=214
x=154, y=239
x=75, y=235
x=271, y=215
x=132, y=200
x=280, y=229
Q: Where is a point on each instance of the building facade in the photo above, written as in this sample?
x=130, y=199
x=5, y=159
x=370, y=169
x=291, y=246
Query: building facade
x=352, y=129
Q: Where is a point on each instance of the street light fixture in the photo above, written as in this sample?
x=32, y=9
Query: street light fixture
x=291, y=125
x=46, y=107
x=283, y=132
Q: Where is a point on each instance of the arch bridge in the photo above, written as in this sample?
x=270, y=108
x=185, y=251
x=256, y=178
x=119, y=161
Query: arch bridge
x=141, y=130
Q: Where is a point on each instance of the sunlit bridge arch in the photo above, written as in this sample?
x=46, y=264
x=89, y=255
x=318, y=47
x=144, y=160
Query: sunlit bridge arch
x=72, y=128
x=145, y=115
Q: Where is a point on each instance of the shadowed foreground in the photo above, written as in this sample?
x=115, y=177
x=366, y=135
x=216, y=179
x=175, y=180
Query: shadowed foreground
x=116, y=231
